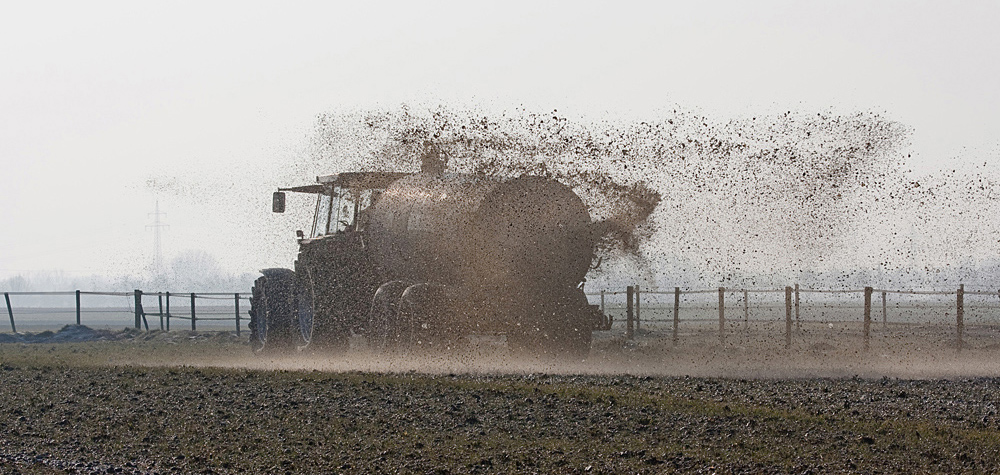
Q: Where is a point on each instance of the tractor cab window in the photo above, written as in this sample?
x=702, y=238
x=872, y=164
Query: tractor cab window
x=321, y=221
x=351, y=213
x=342, y=210
x=344, y=214
x=364, y=204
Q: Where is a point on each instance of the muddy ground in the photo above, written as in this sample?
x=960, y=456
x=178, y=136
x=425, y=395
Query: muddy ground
x=200, y=403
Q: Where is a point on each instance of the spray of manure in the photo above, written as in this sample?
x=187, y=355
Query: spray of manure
x=718, y=197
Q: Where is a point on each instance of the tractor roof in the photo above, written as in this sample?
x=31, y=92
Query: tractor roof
x=352, y=180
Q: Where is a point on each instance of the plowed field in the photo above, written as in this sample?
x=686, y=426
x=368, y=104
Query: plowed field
x=188, y=403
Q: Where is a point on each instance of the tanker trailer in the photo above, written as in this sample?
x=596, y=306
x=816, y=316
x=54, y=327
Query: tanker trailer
x=426, y=259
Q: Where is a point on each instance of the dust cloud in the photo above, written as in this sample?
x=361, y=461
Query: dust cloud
x=913, y=352
x=699, y=356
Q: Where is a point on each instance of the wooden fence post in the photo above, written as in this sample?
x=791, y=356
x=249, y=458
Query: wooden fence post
x=236, y=300
x=10, y=312
x=168, y=310
x=868, y=315
x=960, y=313
x=885, y=323
x=78, y=307
x=629, y=315
x=722, y=314
x=138, y=308
x=602, y=303
x=159, y=300
x=746, y=309
x=677, y=308
x=798, y=322
x=194, y=318
x=788, y=317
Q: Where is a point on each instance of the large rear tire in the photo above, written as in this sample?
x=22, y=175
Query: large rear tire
x=273, y=325
x=305, y=307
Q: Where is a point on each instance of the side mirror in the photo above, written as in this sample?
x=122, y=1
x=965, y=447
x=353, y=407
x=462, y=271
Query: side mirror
x=278, y=202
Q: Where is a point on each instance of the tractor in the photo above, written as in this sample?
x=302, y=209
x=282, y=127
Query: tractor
x=424, y=260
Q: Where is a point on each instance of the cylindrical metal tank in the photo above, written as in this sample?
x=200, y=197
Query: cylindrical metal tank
x=481, y=232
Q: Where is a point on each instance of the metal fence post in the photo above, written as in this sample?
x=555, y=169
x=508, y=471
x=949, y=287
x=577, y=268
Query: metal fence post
x=77, y=307
x=10, y=312
x=159, y=300
x=868, y=315
x=637, y=307
x=798, y=322
x=746, y=309
x=138, y=308
x=194, y=318
x=629, y=313
x=885, y=323
x=168, y=311
x=722, y=314
x=236, y=300
x=960, y=313
x=677, y=308
x=788, y=316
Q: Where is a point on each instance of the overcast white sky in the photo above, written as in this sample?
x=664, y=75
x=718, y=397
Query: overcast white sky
x=97, y=97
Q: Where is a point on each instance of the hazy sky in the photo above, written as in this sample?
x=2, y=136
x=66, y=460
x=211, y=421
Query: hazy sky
x=214, y=99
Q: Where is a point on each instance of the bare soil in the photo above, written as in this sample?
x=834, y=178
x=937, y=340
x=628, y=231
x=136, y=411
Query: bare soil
x=200, y=403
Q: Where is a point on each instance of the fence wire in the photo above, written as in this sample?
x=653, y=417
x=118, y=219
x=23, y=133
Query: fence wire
x=665, y=310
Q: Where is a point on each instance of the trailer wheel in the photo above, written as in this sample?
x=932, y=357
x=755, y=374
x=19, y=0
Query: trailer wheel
x=523, y=340
x=271, y=311
x=559, y=329
x=572, y=340
x=384, y=330
x=566, y=341
x=425, y=318
x=570, y=332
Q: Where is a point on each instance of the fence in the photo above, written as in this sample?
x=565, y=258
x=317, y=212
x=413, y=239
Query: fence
x=661, y=311
x=225, y=307
x=654, y=309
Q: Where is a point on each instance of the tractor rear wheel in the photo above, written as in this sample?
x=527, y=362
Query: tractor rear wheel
x=272, y=315
x=305, y=307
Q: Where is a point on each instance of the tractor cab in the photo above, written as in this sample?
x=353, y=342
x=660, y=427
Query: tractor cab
x=342, y=201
